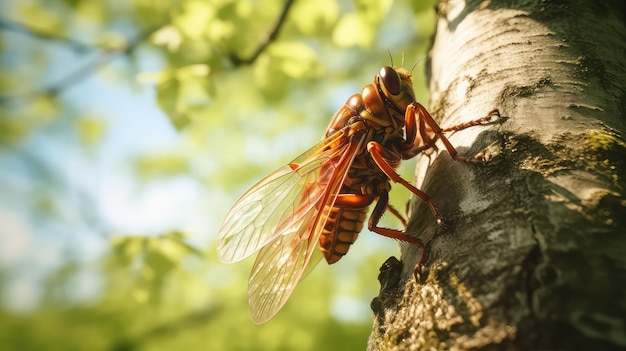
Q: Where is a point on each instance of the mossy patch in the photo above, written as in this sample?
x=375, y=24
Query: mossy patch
x=600, y=152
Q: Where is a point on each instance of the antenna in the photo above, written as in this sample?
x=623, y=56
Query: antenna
x=416, y=63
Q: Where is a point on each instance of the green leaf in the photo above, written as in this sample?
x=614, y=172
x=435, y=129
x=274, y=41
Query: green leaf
x=315, y=17
x=184, y=90
x=150, y=166
x=91, y=130
x=353, y=29
x=373, y=11
x=39, y=18
x=295, y=59
x=127, y=249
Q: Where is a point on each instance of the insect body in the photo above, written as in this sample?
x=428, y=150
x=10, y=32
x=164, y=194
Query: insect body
x=316, y=205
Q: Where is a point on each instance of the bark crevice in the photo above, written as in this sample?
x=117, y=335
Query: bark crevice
x=533, y=255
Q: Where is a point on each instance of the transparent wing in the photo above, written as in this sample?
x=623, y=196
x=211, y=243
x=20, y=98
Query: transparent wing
x=282, y=201
x=284, y=261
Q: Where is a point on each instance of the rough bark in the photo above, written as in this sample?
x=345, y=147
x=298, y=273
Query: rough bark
x=533, y=255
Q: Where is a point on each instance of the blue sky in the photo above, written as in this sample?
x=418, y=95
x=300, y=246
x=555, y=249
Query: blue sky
x=95, y=191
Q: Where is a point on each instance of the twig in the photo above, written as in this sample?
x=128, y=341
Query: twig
x=105, y=54
x=77, y=46
x=76, y=75
x=237, y=61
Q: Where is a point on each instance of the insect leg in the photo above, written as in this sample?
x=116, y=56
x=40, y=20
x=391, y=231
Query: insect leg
x=410, y=130
x=397, y=214
x=372, y=225
x=376, y=151
x=360, y=201
x=412, y=125
x=423, y=114
x=489, y=118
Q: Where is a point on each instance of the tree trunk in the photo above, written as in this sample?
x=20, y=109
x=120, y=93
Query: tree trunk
x=533, y=254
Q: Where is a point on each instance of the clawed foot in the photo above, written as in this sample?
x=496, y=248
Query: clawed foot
x=492, y=154
x=417, y=272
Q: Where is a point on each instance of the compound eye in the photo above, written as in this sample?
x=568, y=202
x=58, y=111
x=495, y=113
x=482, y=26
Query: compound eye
x=391, y=80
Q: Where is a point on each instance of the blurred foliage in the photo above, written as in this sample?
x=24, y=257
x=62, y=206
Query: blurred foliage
x=246, y=92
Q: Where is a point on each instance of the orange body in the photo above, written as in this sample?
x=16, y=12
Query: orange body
x=384, y=123
x=316, y=205
x=341, y=230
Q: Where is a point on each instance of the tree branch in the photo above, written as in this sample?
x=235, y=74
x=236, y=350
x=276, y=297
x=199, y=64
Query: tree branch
x=80, y=47
x=238, y=61
x=103, y=56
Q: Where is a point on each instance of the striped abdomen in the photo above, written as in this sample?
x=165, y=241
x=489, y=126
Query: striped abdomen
x=341, y=230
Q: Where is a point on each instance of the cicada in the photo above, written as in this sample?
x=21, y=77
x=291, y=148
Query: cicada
x=316, y=205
